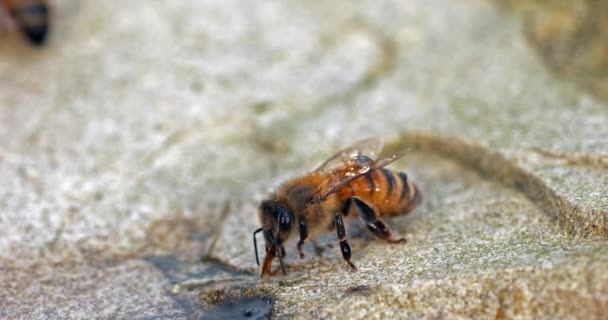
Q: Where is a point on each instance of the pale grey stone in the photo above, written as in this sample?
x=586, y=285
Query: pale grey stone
x=150, y=130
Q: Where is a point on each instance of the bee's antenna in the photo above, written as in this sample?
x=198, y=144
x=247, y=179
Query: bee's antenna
x=280, y=255
x=255, y=245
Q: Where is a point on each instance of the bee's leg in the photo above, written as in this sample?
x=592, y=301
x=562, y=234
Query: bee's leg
x=344, y=247
x=303, y=236
x=369, y=214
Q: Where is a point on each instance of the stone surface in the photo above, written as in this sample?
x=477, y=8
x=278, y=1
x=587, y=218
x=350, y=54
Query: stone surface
x=571, y=38
x=144, y=135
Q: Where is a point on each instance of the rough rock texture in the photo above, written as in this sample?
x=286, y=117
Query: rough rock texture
x=144, y=135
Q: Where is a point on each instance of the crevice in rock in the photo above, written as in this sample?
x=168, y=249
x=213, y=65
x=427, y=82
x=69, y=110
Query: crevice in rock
x=574, y=219
x=574, y=158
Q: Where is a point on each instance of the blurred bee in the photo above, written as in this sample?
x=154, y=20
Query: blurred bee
x=350, y=183
x=30, y=16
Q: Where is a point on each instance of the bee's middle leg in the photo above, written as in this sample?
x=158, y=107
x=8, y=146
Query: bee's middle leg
x=369, y=214
x=344, y=246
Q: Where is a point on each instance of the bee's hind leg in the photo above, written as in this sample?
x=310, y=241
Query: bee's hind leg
x=369, y=214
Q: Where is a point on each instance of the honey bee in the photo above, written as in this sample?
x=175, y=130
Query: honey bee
x=30, y=16
x=350, y=183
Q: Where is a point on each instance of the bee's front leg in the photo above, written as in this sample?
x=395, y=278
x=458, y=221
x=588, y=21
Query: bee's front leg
x=344, y=246
x=303, y=236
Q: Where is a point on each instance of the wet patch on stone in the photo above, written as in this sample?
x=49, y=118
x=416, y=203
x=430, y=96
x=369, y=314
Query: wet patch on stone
x=176, y=270
x=246, y=307
x=187, y=279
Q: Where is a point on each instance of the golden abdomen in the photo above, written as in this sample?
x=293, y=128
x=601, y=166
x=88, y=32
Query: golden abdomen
x=391, y=192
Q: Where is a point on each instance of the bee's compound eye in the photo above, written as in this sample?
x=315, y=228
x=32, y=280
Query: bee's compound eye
x=284, y=218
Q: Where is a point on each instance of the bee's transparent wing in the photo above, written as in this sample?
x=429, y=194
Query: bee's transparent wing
x=369, y=147
x=339, y=181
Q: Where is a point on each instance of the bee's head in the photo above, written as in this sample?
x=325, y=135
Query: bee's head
x=277, y=223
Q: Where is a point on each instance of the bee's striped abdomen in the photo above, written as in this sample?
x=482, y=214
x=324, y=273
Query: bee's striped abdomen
x=410, y=194
x=405, y=186
x=390, y=181
x=392, y=193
